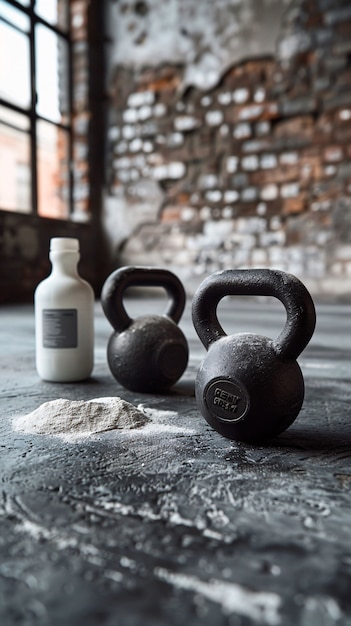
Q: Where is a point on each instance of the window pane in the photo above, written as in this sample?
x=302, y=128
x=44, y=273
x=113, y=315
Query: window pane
x=53, y=171
x=52, y=75
x=14, y=66
x=53, y=11
x=13, y=15
x=15, y=178
x=20, y=122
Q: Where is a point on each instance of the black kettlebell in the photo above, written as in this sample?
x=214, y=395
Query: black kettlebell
x=250, y=387
x=149, y=353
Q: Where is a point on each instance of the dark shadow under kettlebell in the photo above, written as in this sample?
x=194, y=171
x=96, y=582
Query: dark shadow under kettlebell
x=249, y=387
x=149, y=353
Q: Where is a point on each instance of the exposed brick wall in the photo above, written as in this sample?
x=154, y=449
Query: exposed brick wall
x=254, y=172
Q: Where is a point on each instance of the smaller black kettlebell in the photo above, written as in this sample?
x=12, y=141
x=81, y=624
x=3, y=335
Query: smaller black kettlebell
x=149, y=353
x=249, y=387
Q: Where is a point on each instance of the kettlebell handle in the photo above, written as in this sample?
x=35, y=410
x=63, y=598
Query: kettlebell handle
x=134, y=276
x=301, y=315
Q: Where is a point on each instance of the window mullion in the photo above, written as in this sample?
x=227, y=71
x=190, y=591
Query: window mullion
x=33, y=116
x=70, y=123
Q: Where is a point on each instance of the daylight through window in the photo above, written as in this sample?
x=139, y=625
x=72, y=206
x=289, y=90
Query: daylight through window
x=36, y=141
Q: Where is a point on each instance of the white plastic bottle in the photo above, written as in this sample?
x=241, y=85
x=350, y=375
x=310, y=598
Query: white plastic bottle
x=64, y=317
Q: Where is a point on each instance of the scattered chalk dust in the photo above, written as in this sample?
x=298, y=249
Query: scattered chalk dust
x=73, y=420
x=260, y=606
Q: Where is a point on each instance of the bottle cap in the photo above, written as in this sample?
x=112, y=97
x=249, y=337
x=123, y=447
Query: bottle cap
x=67, y=244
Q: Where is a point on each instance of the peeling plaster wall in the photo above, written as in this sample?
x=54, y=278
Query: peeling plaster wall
x=203, y=38
x=207, y=37
x=243, y=121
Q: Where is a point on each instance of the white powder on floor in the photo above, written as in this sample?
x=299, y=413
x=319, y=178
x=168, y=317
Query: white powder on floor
x=72, y=419
x=262, y=607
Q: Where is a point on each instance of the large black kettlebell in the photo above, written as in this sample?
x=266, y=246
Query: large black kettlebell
x=250, y=387
x=149, y=353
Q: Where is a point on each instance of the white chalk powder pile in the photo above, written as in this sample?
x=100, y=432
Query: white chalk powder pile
x=72, y=419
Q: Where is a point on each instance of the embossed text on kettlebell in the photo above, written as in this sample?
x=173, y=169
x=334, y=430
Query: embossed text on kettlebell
x=226, y=399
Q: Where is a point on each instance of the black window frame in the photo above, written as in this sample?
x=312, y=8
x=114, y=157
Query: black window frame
x=31, y=112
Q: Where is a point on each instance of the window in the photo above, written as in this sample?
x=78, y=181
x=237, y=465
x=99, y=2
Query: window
x=23, y=186
x=36, y=110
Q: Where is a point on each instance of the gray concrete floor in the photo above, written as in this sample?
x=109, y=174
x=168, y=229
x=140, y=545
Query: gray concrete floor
x=176, y=524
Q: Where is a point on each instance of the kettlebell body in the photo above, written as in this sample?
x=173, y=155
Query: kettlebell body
x=149, y=353
x=250, y=387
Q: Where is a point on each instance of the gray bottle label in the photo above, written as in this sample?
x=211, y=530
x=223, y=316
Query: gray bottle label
x=60, y=328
